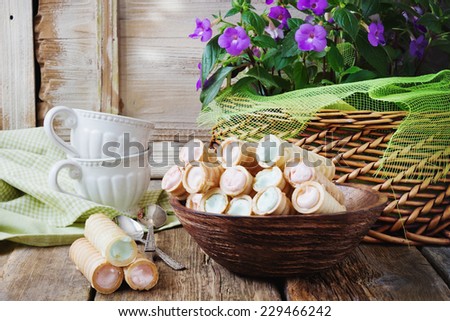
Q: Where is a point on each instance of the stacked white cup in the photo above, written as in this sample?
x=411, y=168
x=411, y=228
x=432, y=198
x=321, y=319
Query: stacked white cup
x=108, y=156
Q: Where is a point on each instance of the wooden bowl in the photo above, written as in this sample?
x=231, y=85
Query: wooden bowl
x=279, y=246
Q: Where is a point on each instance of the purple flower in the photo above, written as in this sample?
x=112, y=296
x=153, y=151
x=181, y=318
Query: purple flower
x=203, y=30
x=417, y=47
x=317, y=6
x=281, y=14
x=274, y=32
x=234, y=40
x=309, y=19
x=199, y=81
x=311, y=37
x=269, y=2
x=376, y=34
x=256, y=52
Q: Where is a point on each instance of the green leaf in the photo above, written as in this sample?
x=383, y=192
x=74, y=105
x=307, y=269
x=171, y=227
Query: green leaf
x=289, y=45
x=210, y=56
x=375, y=56
x=263, y=76
x=430, y=21
x=347, y=21
x=370, y=7
x=243, y=83
x=300, y=76
x=351, y=70
x=360, y=75
x=253, y=19
x=232, y=12
x=442, y=44
x=210, y=91
x=335, y=59
x=264, y=41
x=294, y=23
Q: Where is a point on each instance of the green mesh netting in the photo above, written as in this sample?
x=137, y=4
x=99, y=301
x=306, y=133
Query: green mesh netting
x=422, y=141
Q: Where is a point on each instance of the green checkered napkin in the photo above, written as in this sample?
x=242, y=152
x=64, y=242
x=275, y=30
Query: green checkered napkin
x=30, y=211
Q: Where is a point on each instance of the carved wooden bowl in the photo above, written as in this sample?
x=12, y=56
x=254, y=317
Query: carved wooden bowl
x=279, y=246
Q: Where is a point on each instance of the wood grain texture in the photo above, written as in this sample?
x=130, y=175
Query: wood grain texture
x=30, y=273
x=439, y=258
x=203, y=279
x=373, y=272
x=17, y=87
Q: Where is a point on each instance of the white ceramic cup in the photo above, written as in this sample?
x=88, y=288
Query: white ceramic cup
x=119, y=182
x=93, y=133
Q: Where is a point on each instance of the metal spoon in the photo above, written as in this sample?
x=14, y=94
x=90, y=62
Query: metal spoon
x=136, y=231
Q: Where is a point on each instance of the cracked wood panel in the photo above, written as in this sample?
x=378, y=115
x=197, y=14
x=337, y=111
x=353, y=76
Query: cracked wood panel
x=374, y=272
x=17, y=83
x=439, y=258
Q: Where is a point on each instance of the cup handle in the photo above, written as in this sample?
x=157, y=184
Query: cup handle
x=75, y=172
x=70, y=121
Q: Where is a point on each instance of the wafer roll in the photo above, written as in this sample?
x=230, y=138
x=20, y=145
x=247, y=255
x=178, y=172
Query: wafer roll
x=141, y=274
x=236, y=180
x=271, y=177
x=297, y=172
x=111, y=241
x=193, y=201
x=312, y=197
x=272, y=151
x=271, y=201
x=172, y=183
x=201, y=177
x=195, y=151
x=240, y=205
x=214, y=201
x=103, y=276
x=234, y=152
x=325, y=165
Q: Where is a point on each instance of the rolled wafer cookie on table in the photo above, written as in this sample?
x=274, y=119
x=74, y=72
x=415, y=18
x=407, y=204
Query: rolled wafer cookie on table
x=214, y=201
x=271, y=201
x=172, y=183
x=201, y=177
x=111, y=241
x=141, y=274
x=233, y=152
x=241, y=206
x=312, y=197
x=297, y=172
x=103, y=276
x=236, y=180
x=271, y=177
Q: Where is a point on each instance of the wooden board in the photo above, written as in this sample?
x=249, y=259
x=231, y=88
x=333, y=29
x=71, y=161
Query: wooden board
x=439, y=258
x=17, y=86
x=203, y=280
x=30, y=273
x=374, y=273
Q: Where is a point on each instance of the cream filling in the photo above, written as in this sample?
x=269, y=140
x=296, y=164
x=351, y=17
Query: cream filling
x=300, y=173
x=195, y=177
x=194, y=201
x=142, y=275
x=107, y=276
x=233, y=180
x=240, y=207
x=216, y=203
x=122, y=249
x=172, y=178
x=192, y=151
x=309, y=198
x=231, y=153
x=268, y=200
x=267, y=177
x=268, y=150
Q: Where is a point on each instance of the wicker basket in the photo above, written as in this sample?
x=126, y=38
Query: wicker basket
x=419, y=209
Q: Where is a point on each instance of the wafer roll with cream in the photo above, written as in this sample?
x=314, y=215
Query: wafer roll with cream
x=214, y=201
x=111, y=241
x=234, y=152
x=297, y=172
x=172, y=183
x=193, y=201
x=195, y=151
x=236, y=180
x=271, y=201
x=103, y=276
x=271, y=177
x=141, y=274
x=201, y=177
x=240, y=205
x=312, y=197
x=273, y=151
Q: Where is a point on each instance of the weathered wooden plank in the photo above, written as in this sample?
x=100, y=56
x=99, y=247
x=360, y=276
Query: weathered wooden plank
x=439, y=258
x=203, y=280
x=30, y=273
x=17, y=86
x=374, y=273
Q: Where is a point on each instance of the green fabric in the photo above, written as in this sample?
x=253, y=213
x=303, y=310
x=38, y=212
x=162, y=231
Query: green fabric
x=422, y=139
x=30, y=211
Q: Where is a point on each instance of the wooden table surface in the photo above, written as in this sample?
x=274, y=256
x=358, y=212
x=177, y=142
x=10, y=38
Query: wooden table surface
x=372, y=272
